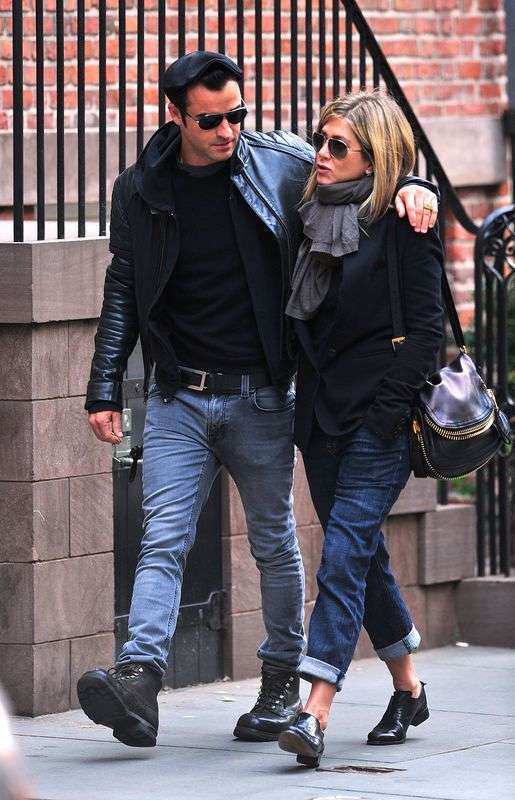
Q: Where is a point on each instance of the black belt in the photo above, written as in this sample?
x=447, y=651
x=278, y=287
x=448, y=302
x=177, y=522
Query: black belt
x=220, y=383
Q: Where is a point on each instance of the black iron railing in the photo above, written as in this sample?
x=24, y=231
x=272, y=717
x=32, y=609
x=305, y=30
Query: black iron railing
x=494, y=348
x=356, y=61
x=332, y=50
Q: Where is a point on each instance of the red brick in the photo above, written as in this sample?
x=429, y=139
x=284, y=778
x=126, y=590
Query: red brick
x=490, y=5
x=412, y=5
x=399, y=47
x=469, y=26
x=445, y=48
x=426, y=25
x=381, y=24
x=428, y=69
x=491, y=47
x=469, y=69
x=490, y=90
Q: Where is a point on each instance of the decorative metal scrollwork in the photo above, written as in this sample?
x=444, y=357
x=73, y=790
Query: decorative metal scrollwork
x=495, y=244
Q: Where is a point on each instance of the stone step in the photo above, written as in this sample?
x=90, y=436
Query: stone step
x=486, y=610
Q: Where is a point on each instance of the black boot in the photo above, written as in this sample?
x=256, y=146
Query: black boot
x=123, y=698
x=306, y=738
x=277, y=706
x=403, y=710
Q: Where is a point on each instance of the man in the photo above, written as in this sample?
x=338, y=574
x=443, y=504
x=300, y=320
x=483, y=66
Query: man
x=204, y=234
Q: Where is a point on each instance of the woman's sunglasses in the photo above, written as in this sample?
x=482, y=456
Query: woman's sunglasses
x=337, y=148
x=207, y=122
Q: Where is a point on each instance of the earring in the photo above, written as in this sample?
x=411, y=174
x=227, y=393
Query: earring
x=368, y=172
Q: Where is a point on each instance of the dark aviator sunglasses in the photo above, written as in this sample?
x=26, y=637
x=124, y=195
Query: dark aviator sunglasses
x=207, y=122
x=337, y=148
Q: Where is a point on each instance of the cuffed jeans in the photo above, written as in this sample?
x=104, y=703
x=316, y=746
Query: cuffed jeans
x=187, y=439
x=354, y=482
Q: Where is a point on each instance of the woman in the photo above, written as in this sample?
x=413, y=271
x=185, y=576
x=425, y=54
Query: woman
x=355, y=388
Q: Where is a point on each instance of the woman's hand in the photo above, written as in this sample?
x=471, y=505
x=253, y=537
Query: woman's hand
x=420, y=204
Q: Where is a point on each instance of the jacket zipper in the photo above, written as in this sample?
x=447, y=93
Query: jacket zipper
x=160, y=269
x=157, y=280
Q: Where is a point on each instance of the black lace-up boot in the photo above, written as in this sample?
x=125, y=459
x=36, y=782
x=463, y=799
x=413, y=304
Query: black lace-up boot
x=125, y=699
x=277, y=706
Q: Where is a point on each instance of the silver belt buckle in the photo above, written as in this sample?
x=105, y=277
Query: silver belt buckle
x=200, y=387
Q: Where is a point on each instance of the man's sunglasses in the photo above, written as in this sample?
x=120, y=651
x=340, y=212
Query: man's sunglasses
x=207, y=122
x=337, y=148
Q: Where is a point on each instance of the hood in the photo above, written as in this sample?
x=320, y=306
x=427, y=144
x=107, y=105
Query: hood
x=157, y=159
x=154, y=164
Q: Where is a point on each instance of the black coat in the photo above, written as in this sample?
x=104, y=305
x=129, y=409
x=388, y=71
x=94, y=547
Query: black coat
x=363, y=379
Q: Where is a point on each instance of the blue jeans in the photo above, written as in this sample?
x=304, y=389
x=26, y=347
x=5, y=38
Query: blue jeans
x=354, y=482
x=187, y=439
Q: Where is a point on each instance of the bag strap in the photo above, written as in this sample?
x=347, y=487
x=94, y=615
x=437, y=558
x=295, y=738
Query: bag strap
x=399, y=333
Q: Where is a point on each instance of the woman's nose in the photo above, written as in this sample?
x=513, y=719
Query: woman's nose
x=325, y=147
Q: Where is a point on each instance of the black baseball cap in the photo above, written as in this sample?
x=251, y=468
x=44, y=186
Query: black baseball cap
x=190, y=68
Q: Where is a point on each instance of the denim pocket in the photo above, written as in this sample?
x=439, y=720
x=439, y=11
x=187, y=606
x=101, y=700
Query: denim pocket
x=153, y=390
x=268, y=399
x=398, y=442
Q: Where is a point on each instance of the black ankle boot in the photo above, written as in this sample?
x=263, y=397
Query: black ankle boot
x=123, y=698
x=305, y=737
x=403, y=710
x=277, y=706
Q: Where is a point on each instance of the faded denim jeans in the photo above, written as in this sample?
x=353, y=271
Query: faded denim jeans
x=187, y=439
x=354, y=482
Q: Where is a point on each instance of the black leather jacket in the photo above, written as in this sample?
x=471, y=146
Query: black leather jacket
x=269, y=172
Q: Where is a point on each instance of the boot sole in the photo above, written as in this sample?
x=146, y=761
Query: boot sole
x=253, y=735
x=420, y=717
x=104, y=707
x=291, y=742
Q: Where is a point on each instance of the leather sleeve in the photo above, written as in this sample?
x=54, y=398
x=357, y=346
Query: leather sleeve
x=419, y=182
x=420, y=263
x=102, y=405
x=118, y=327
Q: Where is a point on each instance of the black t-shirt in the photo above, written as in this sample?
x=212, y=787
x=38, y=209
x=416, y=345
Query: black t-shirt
x=206, y=307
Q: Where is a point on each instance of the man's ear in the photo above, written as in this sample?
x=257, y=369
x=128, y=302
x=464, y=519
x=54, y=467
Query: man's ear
x=175, y=114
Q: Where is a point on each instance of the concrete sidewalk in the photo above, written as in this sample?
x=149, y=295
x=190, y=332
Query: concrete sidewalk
x=466, y=750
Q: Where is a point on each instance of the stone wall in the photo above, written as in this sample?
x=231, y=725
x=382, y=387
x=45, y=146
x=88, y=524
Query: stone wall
x=56, y=542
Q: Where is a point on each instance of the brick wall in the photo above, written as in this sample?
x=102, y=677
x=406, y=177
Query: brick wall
x=448, y=54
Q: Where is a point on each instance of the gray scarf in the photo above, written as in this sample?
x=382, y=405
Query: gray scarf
x=331, y=229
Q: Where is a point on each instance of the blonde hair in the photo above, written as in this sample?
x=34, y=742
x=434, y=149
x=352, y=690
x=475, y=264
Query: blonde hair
x=387, y=140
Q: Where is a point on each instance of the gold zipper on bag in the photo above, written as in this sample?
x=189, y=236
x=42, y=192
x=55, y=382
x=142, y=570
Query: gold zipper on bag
x=416, y=430
x=466, y=433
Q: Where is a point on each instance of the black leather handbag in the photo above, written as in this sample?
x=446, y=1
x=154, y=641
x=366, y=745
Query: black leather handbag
x=456, y=426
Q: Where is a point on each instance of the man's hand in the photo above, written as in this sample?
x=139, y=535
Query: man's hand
x=107, y=426
x=420, y=204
